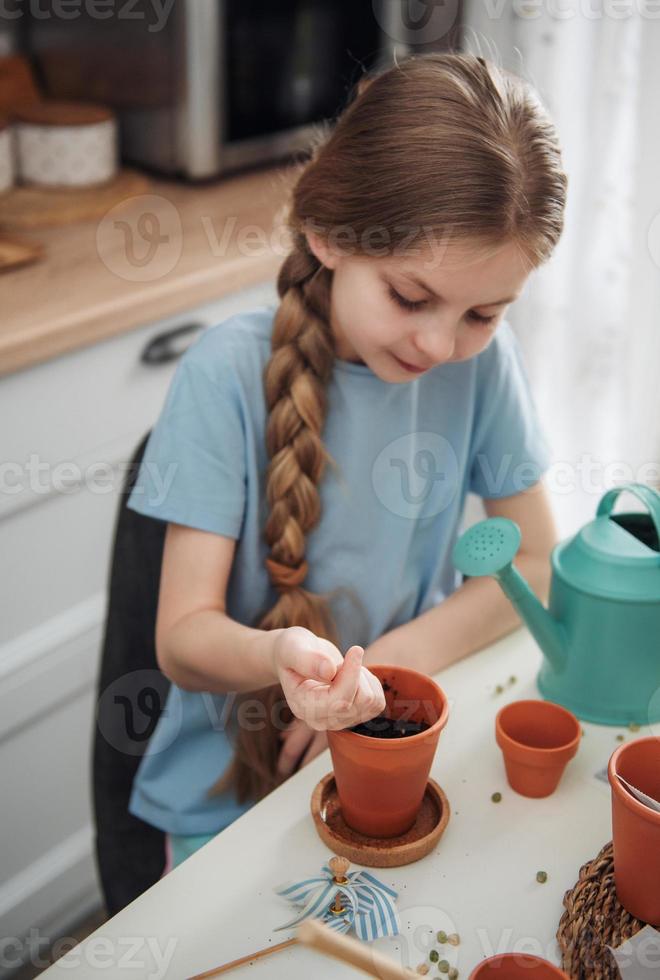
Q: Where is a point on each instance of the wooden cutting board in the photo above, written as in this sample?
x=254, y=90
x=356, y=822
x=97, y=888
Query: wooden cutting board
x=14, y=252
x=27, y=207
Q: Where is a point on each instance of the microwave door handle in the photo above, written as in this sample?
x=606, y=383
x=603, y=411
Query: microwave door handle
x=200, y=126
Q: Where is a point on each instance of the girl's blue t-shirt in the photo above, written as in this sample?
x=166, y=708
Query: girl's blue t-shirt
x=406, y=455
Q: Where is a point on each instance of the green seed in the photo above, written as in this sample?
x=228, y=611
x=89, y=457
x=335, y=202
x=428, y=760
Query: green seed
x=434, y=956
x=621, y=738
x=453, y=973
x=443, y=966
x=513, y=679
x=496, y=797
x=633, y=727
x=442, y=937
x=541, y=877
x=454, y=939
x=499, y=689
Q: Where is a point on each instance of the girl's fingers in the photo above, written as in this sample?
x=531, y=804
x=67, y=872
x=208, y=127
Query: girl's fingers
x=376, y=690
x=345, y=685
x=353, y=696
x=365, y=693
x=368, y=703
x=295, y=741
x=311, y=661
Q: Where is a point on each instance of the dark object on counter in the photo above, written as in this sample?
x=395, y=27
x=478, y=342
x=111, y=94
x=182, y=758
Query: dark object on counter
x=384, y=727
x=131, y=693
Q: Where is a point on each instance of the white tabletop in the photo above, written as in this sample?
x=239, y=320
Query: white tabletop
x=479, y=882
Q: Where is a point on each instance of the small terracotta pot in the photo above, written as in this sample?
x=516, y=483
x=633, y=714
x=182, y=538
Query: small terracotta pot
x=381, y=782
x=517, y=966
x=636, y=828
x=538, y=739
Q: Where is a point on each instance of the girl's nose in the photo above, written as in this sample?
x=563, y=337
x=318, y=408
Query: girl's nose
x=437, y=344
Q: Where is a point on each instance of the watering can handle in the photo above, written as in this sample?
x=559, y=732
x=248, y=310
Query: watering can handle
x=646, y=494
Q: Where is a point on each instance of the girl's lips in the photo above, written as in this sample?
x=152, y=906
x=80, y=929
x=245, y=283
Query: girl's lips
x=409, y=367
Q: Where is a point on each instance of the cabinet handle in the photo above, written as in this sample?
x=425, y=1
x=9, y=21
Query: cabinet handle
x=169, y=346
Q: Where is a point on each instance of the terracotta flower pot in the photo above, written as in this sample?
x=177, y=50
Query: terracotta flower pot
x=538, y=739
x=381, y=782
x=636, y=828
x=517, y=966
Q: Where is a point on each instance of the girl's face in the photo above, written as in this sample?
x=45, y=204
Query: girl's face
x=402, y=315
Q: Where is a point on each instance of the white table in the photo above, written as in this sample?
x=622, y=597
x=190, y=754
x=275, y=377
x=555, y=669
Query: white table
x=479, y=882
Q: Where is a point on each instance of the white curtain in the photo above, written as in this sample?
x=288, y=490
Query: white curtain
x=589, y=320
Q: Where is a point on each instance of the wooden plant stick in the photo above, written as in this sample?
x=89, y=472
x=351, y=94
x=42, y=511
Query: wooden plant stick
x=339, y=867
x=313, y=933
x=242, y=960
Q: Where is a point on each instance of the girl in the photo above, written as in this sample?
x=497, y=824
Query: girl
x=316, y=455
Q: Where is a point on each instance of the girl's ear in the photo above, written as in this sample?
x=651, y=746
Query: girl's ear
x=320, y=249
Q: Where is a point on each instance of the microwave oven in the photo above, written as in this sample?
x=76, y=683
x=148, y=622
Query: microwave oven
x=205, y=87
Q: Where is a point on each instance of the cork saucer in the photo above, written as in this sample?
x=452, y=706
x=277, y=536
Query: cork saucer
x=379, y=852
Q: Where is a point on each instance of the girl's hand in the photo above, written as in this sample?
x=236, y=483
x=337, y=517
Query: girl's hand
x=299, y=745
x=322, y=688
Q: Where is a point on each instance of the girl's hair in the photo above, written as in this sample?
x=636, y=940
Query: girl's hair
x=441, y=143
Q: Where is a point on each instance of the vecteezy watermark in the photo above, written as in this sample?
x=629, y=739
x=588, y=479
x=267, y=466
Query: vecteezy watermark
x=130, y=707
x=568, y=9
x=148, y=954
x=414, y=476
x=381, y=241
x=43, y=477
x=594, y=476
x=417, y=475
x=639, y=956
x=142, y=239
x=141, y=242
x=411, y=22
x=154, y=12
x=375, y=241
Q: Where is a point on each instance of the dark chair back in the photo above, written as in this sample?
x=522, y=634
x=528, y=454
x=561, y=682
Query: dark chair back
x=131, y=694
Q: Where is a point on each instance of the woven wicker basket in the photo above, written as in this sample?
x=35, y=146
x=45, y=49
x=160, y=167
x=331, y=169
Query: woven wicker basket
x=594, y=920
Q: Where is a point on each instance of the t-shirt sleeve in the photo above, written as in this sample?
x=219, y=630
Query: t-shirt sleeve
x=193, y=471
x=509, y=451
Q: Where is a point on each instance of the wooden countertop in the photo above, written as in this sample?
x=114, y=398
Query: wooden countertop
x=174, y=247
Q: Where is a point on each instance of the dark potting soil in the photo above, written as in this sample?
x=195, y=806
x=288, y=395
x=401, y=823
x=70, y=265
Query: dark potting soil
x=384, y=727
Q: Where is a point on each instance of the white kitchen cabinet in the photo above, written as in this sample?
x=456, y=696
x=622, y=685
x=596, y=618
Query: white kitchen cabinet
x=88, y=407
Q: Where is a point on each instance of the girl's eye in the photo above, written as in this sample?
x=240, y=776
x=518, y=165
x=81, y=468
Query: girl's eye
x=481, y=319
x=409, y=304
x=406, y=304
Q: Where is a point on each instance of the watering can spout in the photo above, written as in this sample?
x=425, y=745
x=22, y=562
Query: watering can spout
x=488, y=548
x=548, y=633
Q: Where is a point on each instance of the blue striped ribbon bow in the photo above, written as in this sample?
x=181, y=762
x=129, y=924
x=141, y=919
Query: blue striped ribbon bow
x=369, y=904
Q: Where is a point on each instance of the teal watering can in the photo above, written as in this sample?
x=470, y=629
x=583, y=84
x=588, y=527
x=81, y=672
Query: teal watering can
x=600, y=635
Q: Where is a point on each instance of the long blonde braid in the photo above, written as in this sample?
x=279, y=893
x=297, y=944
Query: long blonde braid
x=295, y=382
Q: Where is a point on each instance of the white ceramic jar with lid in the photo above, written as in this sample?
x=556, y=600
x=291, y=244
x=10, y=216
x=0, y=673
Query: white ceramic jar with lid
x=65, y=144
